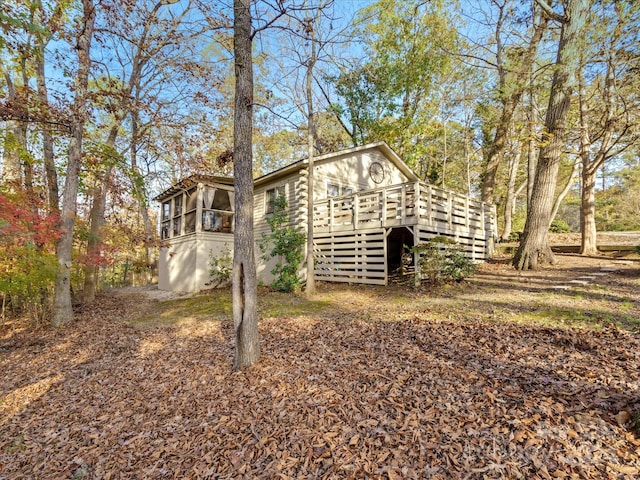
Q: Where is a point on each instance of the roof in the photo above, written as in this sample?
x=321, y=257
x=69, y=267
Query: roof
x=300, y=164
x=191, y=181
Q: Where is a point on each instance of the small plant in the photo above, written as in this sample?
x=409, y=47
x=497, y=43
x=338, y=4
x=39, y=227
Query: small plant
x=220, y=268
x=286, y=243
x=638, y=249
x=443, y=259
x=559, y=226
x=515, y=236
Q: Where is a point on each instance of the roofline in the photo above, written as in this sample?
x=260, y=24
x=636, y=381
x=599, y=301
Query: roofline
x=192, y=180
x=189, y=182
x=296, y=166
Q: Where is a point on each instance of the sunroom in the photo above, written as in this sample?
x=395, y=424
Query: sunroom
x=196, y=222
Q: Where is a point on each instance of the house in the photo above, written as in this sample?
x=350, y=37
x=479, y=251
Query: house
x=368, y=207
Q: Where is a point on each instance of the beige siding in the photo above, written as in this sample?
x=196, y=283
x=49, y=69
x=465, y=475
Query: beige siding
x=353, y=170
x=261, y=227
x=184, y=263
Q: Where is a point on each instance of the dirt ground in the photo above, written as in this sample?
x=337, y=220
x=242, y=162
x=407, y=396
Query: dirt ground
x=509, y=375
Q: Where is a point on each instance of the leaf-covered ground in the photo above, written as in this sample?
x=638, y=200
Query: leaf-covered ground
x=500, y=377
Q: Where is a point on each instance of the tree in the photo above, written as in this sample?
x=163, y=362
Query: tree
x=534, y=248
x=513, y=65
x=62, y=308
x=245, y=316
x=609, y=109
x=393, y=94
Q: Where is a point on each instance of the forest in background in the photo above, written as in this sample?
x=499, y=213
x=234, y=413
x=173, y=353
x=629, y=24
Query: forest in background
x=106, y=103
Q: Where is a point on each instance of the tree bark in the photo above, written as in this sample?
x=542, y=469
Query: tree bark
x=94, y=242
x=245, y=318
x=591, y=164
x=51, y=175
x=62, y=306
x=565, y=191
x=509, y=104
x=14, y=142
x=532, y=160
x=534, y=249
x=310, y=288
x=510, y=201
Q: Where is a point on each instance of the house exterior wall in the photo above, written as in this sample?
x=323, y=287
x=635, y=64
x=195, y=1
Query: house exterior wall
x=348, y=170
x=345, y=251
x=352, y=170
x=261, y=227
x=185, y=261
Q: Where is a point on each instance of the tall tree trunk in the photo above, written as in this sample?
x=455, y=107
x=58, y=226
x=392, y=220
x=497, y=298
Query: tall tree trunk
x=310, y=288
x=590, y=165
x=510, y=201
x=94, y=242
x=14, y=142
x=509, y=104
x=589, y=240
x=141, y=193
x=51, y=175
x=245, y=317
x=62, y=307
x=534, y=249
x=565, y=191
x=531, y=144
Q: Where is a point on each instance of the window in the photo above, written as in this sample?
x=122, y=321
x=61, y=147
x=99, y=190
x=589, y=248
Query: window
x=177, y=206
x=335, y=190
x=217, y=212
x=166, y=210
x=177, y=224
x=164, y=230
x=270, y=198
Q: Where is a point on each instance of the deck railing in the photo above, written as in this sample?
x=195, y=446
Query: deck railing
x=404, y=205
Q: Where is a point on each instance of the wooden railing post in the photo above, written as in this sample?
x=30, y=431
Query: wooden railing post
x=383, y=205
x=416, y=202
x=466, y=212
x=429, y=204
x=331, y=218
x=403, y=204
x=450, y=208
x=356, y=210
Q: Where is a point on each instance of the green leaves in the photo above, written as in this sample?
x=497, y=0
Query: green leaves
x=285, y=242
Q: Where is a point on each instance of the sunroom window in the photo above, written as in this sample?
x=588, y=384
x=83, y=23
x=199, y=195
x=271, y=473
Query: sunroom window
x=217, y=210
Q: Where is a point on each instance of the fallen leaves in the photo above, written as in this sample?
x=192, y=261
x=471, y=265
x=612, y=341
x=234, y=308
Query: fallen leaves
x=334, y=396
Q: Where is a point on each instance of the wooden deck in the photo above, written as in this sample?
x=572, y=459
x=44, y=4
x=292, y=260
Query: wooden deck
x=351, y=231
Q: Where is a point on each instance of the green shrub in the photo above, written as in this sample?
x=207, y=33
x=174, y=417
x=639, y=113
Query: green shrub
x=638, y=249
x=284, y=242
x=441, y=260
x=220, y=268
x=559, y=226
x=515, y=236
